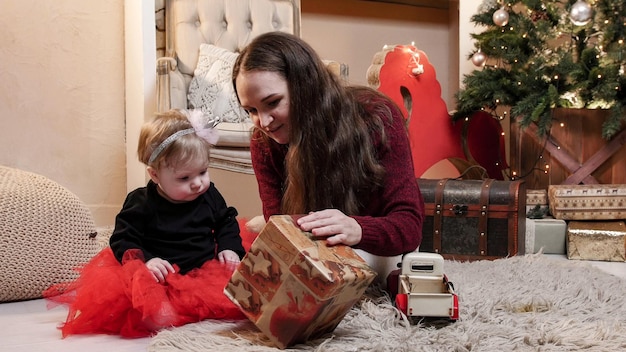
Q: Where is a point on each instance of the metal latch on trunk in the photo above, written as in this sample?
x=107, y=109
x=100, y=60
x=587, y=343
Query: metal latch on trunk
x=459, y=209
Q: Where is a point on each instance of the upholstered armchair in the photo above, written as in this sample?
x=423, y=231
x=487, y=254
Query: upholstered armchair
x=202, y=41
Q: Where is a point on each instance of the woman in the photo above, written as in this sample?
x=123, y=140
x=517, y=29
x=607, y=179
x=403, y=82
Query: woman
x=338, y=154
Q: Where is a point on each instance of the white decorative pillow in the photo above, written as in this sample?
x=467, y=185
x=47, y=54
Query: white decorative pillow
x=211, y=89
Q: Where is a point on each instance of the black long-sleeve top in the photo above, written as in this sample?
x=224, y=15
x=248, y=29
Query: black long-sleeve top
x=186, y=234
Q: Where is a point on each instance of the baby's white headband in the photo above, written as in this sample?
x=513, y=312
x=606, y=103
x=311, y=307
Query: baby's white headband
x=202, y=127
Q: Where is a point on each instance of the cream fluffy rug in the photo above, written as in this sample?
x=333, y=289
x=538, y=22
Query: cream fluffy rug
x=526, y=303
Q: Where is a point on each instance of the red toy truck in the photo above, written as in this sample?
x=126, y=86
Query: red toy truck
x=423, y=290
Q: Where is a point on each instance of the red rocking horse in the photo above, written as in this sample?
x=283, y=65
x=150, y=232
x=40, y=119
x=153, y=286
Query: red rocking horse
x=405, y=74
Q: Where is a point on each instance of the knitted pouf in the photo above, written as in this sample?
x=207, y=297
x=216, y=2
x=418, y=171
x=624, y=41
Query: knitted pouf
x=46, y=232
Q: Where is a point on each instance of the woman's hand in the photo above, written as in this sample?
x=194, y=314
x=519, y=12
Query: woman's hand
x=159, y=268
x=336, y=226
x=228, y=257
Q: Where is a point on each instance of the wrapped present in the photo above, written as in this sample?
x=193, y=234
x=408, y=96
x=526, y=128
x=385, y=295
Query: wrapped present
x=294, y=287
x=596, y=240
x=587, y=202
x=547, y=235
x=536, y=197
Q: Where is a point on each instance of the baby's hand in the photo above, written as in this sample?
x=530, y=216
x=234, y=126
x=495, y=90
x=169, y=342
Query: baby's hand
x=159, y=268
x=229, y=258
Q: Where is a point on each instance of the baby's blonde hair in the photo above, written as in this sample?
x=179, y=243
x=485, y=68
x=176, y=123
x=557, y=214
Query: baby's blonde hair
x=183, y=150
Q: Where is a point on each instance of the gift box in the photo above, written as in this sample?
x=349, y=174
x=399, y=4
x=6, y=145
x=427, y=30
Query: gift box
x=548, y=233
x=596, y=240
x=535, y=199
x=294, y=287
x=587, y=202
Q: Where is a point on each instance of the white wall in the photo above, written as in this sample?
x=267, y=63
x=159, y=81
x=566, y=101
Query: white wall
x=62, y=96
x=467, y=8
x=140, y=81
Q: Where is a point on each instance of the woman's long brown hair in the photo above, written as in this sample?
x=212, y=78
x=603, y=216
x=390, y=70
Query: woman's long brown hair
x=331, y=161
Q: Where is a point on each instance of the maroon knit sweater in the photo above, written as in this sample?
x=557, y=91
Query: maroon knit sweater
x=391, y=222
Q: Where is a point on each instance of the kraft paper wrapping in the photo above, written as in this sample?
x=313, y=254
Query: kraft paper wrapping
x=293, y=287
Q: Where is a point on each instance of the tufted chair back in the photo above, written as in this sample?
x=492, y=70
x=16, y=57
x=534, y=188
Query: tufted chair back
x=229, y=24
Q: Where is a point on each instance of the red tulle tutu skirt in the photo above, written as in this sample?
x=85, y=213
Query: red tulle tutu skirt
x=109, y=298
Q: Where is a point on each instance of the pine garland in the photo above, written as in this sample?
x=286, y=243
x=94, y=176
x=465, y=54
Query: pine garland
x=540, y=60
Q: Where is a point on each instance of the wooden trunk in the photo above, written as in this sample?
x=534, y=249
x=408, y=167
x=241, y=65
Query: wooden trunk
x=574, y=153
x=473, y=219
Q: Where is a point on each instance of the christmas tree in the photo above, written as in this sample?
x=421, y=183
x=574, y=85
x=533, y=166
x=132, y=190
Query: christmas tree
x=536, y=55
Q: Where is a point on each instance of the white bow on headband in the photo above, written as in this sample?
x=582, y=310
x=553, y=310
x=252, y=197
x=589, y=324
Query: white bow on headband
x=202, y=127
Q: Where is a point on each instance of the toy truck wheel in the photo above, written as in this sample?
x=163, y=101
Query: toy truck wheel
x=454, y=313
x=402, y=302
